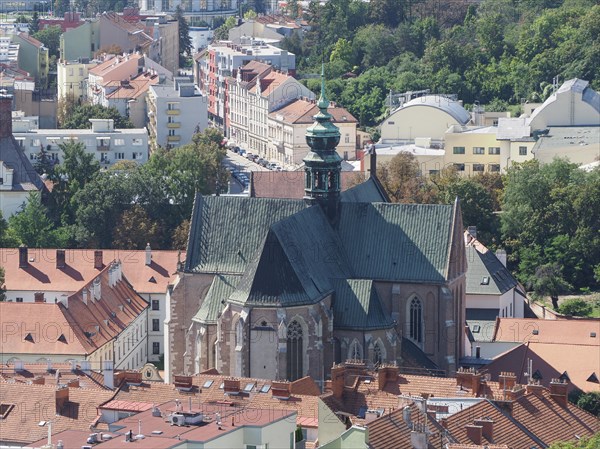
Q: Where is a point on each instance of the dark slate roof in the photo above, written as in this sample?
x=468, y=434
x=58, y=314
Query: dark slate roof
x=227, y=231
x=357, y=306
x=220, y=290
x=301, y=255
x=24, y=177
x=407, y=242
x=482, y=263
x=369, y=191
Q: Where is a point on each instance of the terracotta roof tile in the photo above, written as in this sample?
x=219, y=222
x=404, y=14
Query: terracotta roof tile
x=36, y=403
x=49, y=373
x=42, y=275
x=303, y=111
x=290, y=184
x=574, y=331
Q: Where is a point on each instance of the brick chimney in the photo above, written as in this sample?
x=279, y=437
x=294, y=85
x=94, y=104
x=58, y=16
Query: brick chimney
x=38, y=297
x=507, y=380
x=385, y=374
x=559, y=391
x=514, y=394
x=487, y=428
x=60, y=259
x=338, y=373
x=23, y=262
x=62, y=397
x=474, y=433
x=535, y=388
x=281, y=389
x=468, y=378
x=5, y=114
x=98, y=262
x=231, y=386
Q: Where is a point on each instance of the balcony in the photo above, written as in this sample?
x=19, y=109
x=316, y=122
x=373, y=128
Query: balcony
x=173, y=125
x=172, y=111
x=103, y=146
x=173, y=138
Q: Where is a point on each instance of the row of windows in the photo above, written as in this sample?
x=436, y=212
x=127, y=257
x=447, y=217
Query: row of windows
x=491, y=150
x=478, y=167
x=103, y=141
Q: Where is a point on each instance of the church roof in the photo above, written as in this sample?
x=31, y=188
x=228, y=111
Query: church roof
x=221, y=288
x=369, y=191
x=357, y=306
x=24, y=176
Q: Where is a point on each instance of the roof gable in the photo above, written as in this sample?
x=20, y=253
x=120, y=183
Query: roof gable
x=221, y=288
x=358, y=306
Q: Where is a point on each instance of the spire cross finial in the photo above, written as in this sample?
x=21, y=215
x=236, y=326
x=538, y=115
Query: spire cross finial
x=323, y=102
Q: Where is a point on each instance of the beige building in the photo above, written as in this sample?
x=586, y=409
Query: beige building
x=287, y=131
x=429, y=117
x=475, y=150
x=430, y=160
x=72, y=78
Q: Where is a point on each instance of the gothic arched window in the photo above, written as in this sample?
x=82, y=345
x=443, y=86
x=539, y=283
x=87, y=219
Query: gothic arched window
x=239, y=333
x=377, y=353
x=416, y=320
x=355, y=352
x=295, y=352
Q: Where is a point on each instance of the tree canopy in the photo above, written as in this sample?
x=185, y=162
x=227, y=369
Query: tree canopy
x=185, y=41
x=78, y=116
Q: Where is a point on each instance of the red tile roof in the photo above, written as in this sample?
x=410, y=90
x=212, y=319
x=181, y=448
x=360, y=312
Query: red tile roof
x=42, y=275
x=32, y=40
x=290, y=184
x=303, y=111
x=575, y=331
x=45, y=374
x=270, y=82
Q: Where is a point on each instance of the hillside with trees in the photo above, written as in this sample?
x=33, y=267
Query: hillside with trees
x=498, y=53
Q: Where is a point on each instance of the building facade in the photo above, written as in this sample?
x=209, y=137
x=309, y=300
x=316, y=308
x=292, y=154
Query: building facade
x=33, y=58
x=72, y=78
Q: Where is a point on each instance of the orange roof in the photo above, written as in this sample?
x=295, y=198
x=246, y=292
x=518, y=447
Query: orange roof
x=103, y=69
x=81, y=328
x=132, y=88
x=303, y=111
x=290, y=184
x=49, y=373
x=33, y=404
x=270, y=83
x=41, y=275
x=32, y=40
x=573, y=331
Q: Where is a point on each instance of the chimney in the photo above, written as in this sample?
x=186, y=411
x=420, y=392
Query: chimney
x=385, y=374
x=23, y=262
x=515, y=393
x=60, y=258
x=559, y=391
x=98, y=263
x=281, y=389
x=337, y=380
x=38, y=380
x=109, y=374
x=231, y=386
x=5, y=114
x=148, y=254
x=487, y=428
x=535, y=388
x=507, y=380
x=501, y=255
x=469, y=378
x=62, y=397
x=474, y=433
x=73, y=383
x=38, y=297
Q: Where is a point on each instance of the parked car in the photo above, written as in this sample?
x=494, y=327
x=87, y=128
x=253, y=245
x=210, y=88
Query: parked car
x=250, y=156
x=242, y=152
x=271, y=166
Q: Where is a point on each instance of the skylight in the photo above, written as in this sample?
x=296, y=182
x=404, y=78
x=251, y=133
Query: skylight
x=208, y=383
x=248, y=388
x=476, y=329
x=265, y=388
x=485, y=280
x=5, y=409
x=222, y=385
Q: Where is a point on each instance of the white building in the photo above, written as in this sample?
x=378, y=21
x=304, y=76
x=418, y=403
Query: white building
x=107, y=144
x=175, y=113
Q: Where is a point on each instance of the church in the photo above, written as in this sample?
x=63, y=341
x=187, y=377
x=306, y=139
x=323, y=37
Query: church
x=284, y=288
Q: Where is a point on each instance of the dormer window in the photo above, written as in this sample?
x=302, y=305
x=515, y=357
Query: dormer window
x=485, y=280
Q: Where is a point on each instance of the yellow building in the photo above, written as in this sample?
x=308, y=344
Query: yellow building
x=475, y=150
x=73, y=77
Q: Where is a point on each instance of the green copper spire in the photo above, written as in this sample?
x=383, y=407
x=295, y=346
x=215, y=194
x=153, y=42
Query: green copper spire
x=323, y=163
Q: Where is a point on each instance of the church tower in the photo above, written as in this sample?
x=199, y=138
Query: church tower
x=323, y=165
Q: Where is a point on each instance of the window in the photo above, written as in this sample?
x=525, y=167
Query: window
x=494, y=167
x=494, y=150
x=295, y=352
x=137, y=142
x=32, y=157
x=459, y=167
x=156, y=347
x=415, y=330
x=118, y=142
x=81, y=71
x=155, y=325
x=171, y=119
x=458, y=150
x=347, y=138
x=377, y=353
x=171, y=106
x=478, y=150
x=119, y=155
x=136, y=155
x=19, y=299
x=155, y=304
x=208, y=383
x=171, y=132
x=478, y=167
x=239, y=334
x=522, y=151
x=355, y=352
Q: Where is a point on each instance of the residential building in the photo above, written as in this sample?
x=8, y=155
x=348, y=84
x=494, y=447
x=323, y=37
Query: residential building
x=428, y=116
x=107, y=144
x=51, y=272
x=287, y=129
x=70, y=20
x=579, y=144
x=220, y=60
x=429, y=159
x=33, y=57
x=103, y=321
x=9, y=52
x=204, y=10
x=475, y=150
x=122, y=82
x=72, y=78
x=568, y=349
x=257, y=91
x=258, y=30
x=345, y=269
x=175, y=113
x=18, y=178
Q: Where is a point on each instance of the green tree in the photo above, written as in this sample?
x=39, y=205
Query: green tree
x=2, y=289
x=387, y=12
x=185, y=41
x=7, y=237
x=293, y=8
x=50, y=37
x=135, y=229
x=575, y=307
x=222, y=33
x=34, y=228
x=403, y=180
x=590, y=402
x=250, y=15
x=549, y=281
x=80, y=115
x=583, y=443
x=34, y=23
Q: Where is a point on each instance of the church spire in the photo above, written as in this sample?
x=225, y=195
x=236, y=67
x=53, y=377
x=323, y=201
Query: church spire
x=323, y=163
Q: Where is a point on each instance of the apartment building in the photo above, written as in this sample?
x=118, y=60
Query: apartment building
x=257, y=91
x=72, y=78
x=33, y=57
x=219, y=62
x=107, y=144
x=175, y=113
